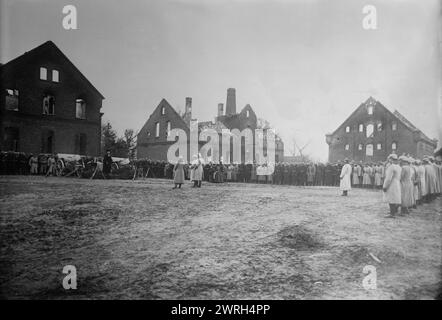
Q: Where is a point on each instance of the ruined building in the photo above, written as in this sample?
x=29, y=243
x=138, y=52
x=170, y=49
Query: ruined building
x=372, y=132
x=152, y=139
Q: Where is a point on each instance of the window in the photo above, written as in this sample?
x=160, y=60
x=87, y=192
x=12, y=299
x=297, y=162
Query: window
x=347, y=129
x=49, y=105
x=394, y=126
x=55, y=76
x=394, y=146
x=80, y=109
x=369, y=130
x=11, y=102
x=80, y=144
x=360, y=146
x=168, y=128
x=157, y=129
x=247, y=113
x=379, y=146
x=148, y=133
x=370, y=110
x=163, y=111
x=361, y=127
x=43, y=73
x=347, y=147
x=379, y=126
x=369, y=150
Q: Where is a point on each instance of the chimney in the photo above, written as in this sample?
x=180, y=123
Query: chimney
x=220, y=109
x=188, y=111
x=231, y=102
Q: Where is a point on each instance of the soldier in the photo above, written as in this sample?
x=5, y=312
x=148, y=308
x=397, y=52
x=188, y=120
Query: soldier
x=366, y=180
x=392, y=185
x=421, y=181
x=43, y=163
x=178, y=171
x=430, y=179
x=345, y=178
x=378, y=176
x=328, y=174
x=311, y=172
x=294, y=174
x=319, y=179
x=33, y=162
x=107, y=164
x=355, y=177
x=51, y=165
x=360, y=173
x=302, y=174
x=277, y=174
x=437, y=176
x=248, y=172
x=414, y=180
x=407, y=189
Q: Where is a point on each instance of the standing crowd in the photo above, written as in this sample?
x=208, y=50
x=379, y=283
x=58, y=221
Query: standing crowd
x=410, y=182
x=406, y=182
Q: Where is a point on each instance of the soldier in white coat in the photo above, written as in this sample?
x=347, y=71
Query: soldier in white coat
x=392, y=185
x=345, y=183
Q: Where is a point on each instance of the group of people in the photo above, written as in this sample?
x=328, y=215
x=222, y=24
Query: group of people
x=297, y=174
x=22, y=163
x=406, y=182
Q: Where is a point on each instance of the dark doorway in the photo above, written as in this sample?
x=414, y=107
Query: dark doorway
x=80, y=144
x=11, y=139
x=47, y=141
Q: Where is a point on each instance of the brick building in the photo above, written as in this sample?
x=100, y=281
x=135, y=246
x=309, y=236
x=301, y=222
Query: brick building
x=47, y=105
x=372, y=132
x=152, y=139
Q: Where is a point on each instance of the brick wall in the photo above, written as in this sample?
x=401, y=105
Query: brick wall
x=405, y=138
x=24, y=75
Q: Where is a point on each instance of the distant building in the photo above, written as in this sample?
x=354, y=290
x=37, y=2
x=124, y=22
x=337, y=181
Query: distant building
x=372, y=132
x=152, y=139
x=48, y=106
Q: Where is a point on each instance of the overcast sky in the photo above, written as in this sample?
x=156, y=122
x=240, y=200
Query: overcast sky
x=302, y=65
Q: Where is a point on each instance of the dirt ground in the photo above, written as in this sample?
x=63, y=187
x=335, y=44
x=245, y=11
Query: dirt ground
x=142, y=240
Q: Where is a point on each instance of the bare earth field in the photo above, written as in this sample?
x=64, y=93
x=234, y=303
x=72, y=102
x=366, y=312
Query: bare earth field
x=142, y=240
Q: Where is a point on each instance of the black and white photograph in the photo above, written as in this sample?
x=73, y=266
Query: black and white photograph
x=220, y=151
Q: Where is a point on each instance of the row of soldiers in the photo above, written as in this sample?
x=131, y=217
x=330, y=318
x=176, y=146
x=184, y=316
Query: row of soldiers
x=411, y=182
x=299, y=174
x=23, y=164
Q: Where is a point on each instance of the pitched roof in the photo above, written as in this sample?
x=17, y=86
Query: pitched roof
x=409, y=125
x=51, y=46
x=396, y=114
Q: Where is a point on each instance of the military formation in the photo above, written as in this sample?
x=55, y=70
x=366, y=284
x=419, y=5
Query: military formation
x=22, y=163
x=406, y=182
x=411, y=182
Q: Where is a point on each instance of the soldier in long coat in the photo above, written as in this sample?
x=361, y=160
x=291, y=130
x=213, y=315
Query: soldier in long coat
x=421, y=181
x=414, y=180
x=178, y=173
x=437, y=176
x=430, y=179
x=366, y=180
x=345, y=178
x=378, y=172
x=355, y=175
x=407, y=187
x=392, y=185
x=360, y=170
